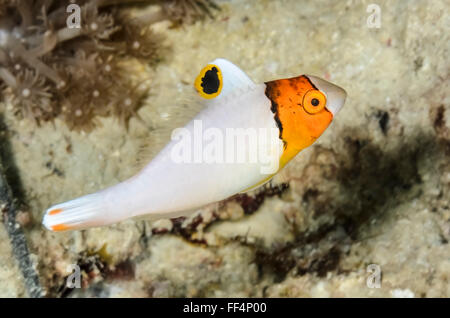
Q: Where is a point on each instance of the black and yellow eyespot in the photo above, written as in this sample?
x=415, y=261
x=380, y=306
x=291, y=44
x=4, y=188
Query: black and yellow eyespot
x=314, y=101
x=209, y=82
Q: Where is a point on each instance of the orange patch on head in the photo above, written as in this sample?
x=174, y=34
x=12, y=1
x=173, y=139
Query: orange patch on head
x=60, y=227
x=55, y=211
x=300, y=125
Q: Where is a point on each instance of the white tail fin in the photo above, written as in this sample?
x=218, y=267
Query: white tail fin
x=86, y=211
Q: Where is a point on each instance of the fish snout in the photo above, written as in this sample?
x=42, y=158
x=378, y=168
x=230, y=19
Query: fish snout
x=335, y=95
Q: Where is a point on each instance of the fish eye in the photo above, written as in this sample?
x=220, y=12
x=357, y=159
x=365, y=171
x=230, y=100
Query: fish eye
x=314, y=101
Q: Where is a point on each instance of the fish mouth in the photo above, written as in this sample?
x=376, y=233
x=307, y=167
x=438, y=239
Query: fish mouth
x=335, y=95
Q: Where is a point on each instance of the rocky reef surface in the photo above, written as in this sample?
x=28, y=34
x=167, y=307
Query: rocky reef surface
x=374, y=189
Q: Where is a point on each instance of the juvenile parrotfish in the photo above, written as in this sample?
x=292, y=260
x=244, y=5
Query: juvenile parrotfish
x=199, y=166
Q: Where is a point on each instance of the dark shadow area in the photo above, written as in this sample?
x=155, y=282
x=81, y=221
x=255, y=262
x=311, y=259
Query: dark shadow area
x=351, y=190
x=7, y=159
x=9, y=209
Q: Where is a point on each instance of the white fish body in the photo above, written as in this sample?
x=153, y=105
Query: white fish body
x=165, y=188
x=276, y=120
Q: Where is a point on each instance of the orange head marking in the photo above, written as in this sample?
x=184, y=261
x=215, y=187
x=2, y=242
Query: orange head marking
x=304, y=107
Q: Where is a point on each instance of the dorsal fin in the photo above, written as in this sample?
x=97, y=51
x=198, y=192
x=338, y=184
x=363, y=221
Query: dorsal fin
x=220, y=78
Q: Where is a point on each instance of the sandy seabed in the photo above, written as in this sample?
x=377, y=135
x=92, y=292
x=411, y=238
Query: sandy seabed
x=374, y=189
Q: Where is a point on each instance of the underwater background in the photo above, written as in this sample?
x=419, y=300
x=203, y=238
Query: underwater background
x=372, y=194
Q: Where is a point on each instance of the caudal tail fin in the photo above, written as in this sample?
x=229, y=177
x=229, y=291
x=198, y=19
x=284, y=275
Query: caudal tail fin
x=86, y=211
